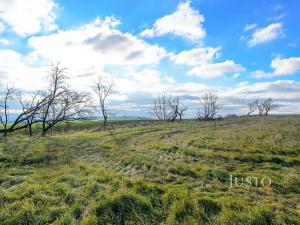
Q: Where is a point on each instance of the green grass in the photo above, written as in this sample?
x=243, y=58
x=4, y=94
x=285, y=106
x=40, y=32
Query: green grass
x=148, y=172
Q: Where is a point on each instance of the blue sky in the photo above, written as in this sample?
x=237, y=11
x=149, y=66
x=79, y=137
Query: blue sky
x=242, y=50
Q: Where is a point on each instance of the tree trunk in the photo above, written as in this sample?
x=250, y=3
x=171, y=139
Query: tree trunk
x=44, y=130
x=30, y=130
x=105, y=120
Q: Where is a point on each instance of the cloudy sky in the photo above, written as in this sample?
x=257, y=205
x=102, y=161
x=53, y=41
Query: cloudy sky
x=241, y=50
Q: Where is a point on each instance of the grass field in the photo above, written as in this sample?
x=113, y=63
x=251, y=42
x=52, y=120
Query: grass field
x=146, y=172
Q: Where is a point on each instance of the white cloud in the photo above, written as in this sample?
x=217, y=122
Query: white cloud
x=250, y=27
x=202, y=62
x=88, y=49
x=86, y=52
x=136, y=88
x=2, y=27
x=16, y=69
x=207, y=71
x=185, y=22
x=266, y=34
x=4, y=41
x=280, y=89
x=281, y=67
x=258, y=74
x=196, y=56
x=285, y=66
x=28, y=17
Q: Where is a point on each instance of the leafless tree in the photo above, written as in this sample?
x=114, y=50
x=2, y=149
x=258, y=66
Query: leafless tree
x=25, y=118
x=268, y=105
x=260, y=108
x=30, y=109
x=210, y=106
x=264, y=106
x=174, y=108
x=168, y=108
x=6, y=96
x=165, y=107
x=181, y=110
x=62, y=104
x=161, y=106
x=253, y=105
x=104, y=88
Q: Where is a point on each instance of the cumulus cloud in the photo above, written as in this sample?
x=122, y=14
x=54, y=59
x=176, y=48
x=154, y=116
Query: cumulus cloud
x=2, y=27
x=250, y=27
x=280, y=89
x=17, y=69
x=95, y=45
x=216, y=69
x=285, y=66
x=4, y=41
x=28, y=17
x=136, y=88
x=266, y=34
x=184, y=22
x=281, y=67
x=285, y=94
x=202, y=62
x=196, y=56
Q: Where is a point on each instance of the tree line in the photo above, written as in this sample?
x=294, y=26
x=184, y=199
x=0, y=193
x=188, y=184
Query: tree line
x=168, y=108
x=59, y=103
x=55, y=104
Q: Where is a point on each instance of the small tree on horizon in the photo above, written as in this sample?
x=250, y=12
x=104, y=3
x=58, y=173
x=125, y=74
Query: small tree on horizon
x=210, y=106
x=104, y=88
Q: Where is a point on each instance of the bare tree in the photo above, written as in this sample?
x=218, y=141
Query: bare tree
x=252, y=107
x=168, y=108
x=161, y=106
x=264, y=106
x=6, y=96
x=210, y=106
x=22, y=120
x=181, y=111
x=62, y=104
x=174, y=107
x=104, y=88
x=31, y=107
x=268, y=105
x=260, y=108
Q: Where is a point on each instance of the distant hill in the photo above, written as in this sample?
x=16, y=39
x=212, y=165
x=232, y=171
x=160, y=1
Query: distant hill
x=129, y=118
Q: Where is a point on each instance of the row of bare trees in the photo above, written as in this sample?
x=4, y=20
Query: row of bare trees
x=168, y=108
x=263, y=107
x=55, y=104
x=58, y=103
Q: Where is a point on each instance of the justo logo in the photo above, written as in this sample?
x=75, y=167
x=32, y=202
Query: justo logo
x=249, y=181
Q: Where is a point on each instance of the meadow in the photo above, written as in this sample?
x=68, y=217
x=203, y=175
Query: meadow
x=151, y=172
